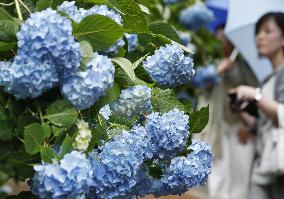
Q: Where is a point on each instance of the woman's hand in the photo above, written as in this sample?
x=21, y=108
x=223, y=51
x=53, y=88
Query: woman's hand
x=244, y=93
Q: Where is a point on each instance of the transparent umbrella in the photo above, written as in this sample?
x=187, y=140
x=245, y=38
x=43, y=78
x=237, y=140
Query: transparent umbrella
x=242, y=16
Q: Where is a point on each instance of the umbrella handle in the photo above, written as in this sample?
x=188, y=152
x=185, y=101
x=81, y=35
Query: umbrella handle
x=234, y=55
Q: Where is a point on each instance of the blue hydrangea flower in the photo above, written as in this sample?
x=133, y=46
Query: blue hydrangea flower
x=171, y=1
x=85, y=88
x=132, y=40
x=28, y=78
x=196, y=16
x=5, y=74
x=205, y=76
x=169, y=66
x=79, y=14
x=190, y=171
x=105, y=112
x=70, y=178
x=71, y=10
x=168, y=132
x=184, y=37
x=49, y=38
x=133, y=101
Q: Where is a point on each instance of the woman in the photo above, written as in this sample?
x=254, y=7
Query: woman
x=269, y=99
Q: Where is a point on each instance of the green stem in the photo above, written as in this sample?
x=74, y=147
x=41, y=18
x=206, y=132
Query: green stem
x=6, y=4
x=18, y=10
x=39, y=111
x=25, y=6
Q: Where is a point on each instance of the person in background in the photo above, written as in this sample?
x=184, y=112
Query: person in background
x=230, y=174
x=269, y=99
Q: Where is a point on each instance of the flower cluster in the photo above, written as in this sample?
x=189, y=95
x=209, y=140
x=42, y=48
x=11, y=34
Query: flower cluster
x=47, y=51
x=105, y=112
x=79, y=14
x=83, y=137
x=205, y=76
x=196, y=16
x=168, y=132
x=118, y=163
x=133, y=101
x=169, y=66
x=84, y=88
x=171, y=1
x=132, y=40
x=69, y=178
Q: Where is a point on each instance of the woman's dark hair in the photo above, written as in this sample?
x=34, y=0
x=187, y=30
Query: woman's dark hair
x=278, y=17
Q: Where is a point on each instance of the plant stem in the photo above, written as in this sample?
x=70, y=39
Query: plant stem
x=18, y=10
x=25, y=6
x=6, y=4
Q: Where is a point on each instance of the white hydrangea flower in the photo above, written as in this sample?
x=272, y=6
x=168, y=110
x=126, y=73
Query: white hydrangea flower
x=83, y=137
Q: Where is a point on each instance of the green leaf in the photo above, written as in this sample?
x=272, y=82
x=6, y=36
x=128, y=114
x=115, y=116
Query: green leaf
x=105, y=2
x=132, y=15
x=34, y=138
x=3, y=114
x=61, y=113
x=46, y=130
x=199, y=120
x=58, y=130
x=66, y=147
x=111, y=95
x=6, y=130
x=139, y=61
x=87, y=52
x=4, y=15
x=126, y=65
x=164, y=29
x=43, y=4
x=7, y=46
x=165, y=100
x=8, y=27
x=47, y=154
x=100, y=31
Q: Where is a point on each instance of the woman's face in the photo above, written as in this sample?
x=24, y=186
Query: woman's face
x=269, y=39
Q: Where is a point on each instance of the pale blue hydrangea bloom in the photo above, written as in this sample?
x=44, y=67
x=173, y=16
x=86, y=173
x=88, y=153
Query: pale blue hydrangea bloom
x=190, y=171
x=205, y=76
x=49, y=39
x=105, y=112
x=28, y=78
x=86, y=87
x=133, y=101
x=171, y=1
x=196, y=16
x=168, y=132
x=5, y=74
x=79, y=14
x=132, y=40
x=184, y=37
x=169, y=66
x=70, y=178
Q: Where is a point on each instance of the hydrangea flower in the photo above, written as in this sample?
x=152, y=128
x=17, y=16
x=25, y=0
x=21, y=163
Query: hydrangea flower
x=196, y=16
x=132, y=101
x=86, y=87
x=70, y=178
x=190, y=171
x=205, y=76
x=171, y=1
x=71, y=10
x=79, y=14
x=169, y=66
x=168, y=132
x=83, y=137
x=5, y=73
x=43, y=38
x=184, y=37
x=132, y=40
x=105, y=112
x=28, y=78
x=117, y=165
